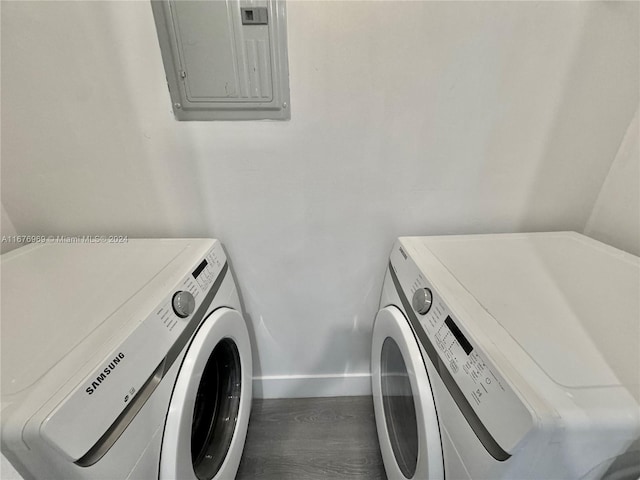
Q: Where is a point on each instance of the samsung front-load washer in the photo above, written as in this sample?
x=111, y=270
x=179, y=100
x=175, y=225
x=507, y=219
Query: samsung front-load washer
x=509, y=356
x=123, y=360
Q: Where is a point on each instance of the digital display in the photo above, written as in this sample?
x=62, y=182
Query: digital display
x=462, y=340
x=200, y=268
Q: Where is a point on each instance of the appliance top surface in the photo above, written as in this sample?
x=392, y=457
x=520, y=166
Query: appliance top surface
x=56, y=294
x=572, y=303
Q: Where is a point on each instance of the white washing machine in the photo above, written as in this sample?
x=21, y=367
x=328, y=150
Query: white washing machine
x=511, y=356
x=126, y=360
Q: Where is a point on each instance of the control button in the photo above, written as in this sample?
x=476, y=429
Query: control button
x=454, y=366
x=183, y=304
x=422, y=300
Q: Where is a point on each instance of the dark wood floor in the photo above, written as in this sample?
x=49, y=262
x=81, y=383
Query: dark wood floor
x=312, y=438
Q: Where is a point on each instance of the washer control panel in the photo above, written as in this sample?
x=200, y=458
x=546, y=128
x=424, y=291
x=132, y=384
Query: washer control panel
x=196, y=284
x=463, y=360
x=475, y=377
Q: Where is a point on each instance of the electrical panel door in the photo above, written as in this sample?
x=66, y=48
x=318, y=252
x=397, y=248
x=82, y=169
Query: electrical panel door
x=225, y=60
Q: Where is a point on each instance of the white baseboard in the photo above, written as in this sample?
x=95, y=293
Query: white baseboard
x=303, y=386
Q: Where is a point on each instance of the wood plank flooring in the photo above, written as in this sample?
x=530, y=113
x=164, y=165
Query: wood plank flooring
x=312, y=438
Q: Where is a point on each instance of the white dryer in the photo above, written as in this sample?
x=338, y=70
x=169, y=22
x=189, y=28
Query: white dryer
x=512, y=356
x=126, y=360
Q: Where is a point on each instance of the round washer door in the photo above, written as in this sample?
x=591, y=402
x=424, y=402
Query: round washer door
x=405, y=411
x=209, y=411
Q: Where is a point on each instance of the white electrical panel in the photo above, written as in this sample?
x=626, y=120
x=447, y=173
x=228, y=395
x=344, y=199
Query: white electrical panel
x=225, y=59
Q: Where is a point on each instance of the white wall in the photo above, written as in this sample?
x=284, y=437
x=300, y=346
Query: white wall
x=615, y=218
x=7, y=231
x=407, y=118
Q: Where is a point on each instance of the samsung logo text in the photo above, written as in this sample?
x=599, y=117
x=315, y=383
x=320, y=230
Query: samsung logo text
x=104, y=374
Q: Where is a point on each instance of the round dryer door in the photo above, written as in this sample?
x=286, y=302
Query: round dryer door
x=405, y=411
x=208, y=415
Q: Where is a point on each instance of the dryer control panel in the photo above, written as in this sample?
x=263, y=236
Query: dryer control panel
x=97, y=407
x=489, y=404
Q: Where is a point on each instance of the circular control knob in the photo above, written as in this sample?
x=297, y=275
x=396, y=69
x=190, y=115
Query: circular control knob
x=183, y=304
x=422, y=300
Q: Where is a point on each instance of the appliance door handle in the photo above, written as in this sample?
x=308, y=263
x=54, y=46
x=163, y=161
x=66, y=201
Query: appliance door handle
x=116, y=429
